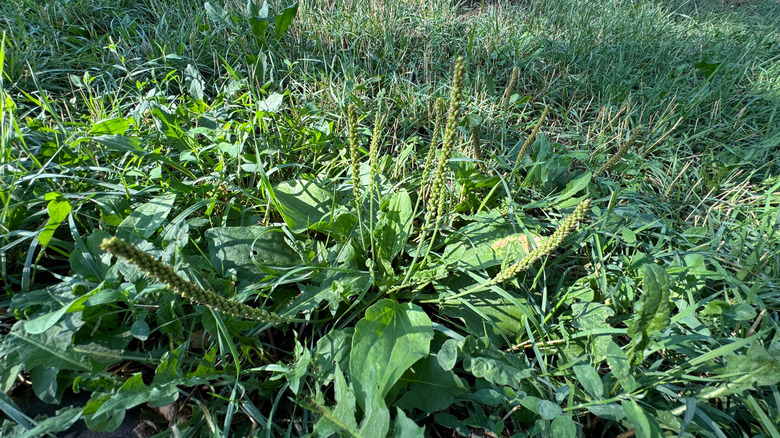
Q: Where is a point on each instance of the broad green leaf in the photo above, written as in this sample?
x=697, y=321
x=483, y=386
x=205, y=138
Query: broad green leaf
x=737, y=312
x=271, y=104
x=254, y=10
x=58, y=209
x=376, y=418
x=44, y=383
x=591, y=316
x=332, y=351
x=116, y=126
x=216, y=13
x=563, y=427
x=646, y=426
x=51, y=348
x=342, y=417
x=63, y=419
x=574, y=187
x=170, y=368
x=759, y=366
x=609, y=411
x=120, y=143
x=406, y=428
x=394, y=225
x=259, y=26
x=448, y=354
x=618, y=362
x=763, y=365
x=140, y=330
x=387, y=341
x=451, y=422
x=545, y=408
x=298, y=372
x=106, y=421
x=505, y=311
x=590, y=380
x=285, y=18
x=431, y=388
x=484, y=360
x=88, y=260
x=303, y=203
x=133, y=392
x=194, y=82
x=232, y=149
x=707, y=69
x=487, y=242
x=146, y=219
x=588, y=316
x=44, y=322
x=249, y=251
x=653, y=310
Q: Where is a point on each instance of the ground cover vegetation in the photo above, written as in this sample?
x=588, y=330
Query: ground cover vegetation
x=417, y=218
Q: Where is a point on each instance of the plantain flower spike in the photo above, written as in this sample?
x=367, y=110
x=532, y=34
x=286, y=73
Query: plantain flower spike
x=186, y=289
x=354, y=149
x=436, y=200
x=564, y=229
x=622, y=150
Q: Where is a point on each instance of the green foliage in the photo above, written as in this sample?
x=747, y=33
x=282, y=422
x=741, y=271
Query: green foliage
x=298, y=240
x=653, y=310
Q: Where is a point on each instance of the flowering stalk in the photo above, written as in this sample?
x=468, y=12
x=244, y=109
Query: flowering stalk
x=509, y=89
x=548, y=246
x=622, y=150
x=529, y=141
x=436, y=199
x=374, y=150
x=564, y=229
x=354, y=147
x=439, y=110
x=476, y=151
x=186, y=289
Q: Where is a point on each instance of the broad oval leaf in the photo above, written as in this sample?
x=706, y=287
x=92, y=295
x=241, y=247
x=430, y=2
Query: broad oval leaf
x=303, y=204
x=250, y=251
x=387, y=341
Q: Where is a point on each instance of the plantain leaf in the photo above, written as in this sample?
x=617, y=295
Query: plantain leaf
x=133, y=392
x=50, y=348
x=342, y=417
x=485, y=361
x=486, y=242
x=431, y=388
x=652, y=311
x=618, y=362
x=387, y=341
x=58, y=209
x=394, y=225
x=146, y=219
x=63, y=419
x=303, y=204
x=646, y=426
x=406, y=427
x=250, y=251
x=285, y=18
x=563, y=427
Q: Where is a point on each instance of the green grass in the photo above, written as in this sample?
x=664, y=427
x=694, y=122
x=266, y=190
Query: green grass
x=411, y=272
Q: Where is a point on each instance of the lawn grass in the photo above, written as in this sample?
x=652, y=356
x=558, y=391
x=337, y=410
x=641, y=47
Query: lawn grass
x=574, y=233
